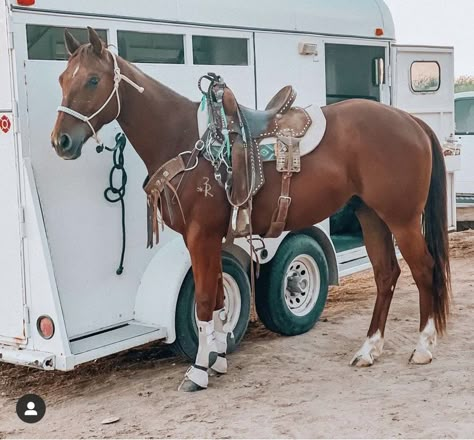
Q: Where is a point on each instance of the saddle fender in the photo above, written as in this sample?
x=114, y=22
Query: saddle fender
x=160, y=285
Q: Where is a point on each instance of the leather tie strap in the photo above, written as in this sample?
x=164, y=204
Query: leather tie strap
x=280, y=214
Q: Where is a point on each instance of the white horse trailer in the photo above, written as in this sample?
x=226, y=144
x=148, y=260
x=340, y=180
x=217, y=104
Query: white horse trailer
x=62, y=302
x=464, y=117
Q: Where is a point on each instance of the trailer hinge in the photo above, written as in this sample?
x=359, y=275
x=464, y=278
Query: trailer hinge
x=16, y=116
x=26, y=317
x=22, y=222
x=11, y=44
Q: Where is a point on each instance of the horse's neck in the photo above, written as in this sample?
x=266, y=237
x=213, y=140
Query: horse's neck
x=159, y=122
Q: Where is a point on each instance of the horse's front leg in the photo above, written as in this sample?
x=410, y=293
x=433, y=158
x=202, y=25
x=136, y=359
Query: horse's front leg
x=224, y=335
x=205, y=251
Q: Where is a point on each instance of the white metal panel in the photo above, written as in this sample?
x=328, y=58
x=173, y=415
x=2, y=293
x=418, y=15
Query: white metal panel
x=279, y=63
x=338, y=17
x=435, y=108
x=11, y=289
x=6, y=96
x=41, y=291
x=465, y=176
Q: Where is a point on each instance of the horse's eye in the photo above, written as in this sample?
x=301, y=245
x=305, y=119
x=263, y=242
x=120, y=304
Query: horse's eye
x=93, y=81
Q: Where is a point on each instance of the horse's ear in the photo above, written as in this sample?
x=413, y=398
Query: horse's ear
x=94, y=39
x=70, y=42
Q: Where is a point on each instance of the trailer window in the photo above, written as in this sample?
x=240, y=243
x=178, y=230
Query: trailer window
x=47, y=42
x=350, y=72
x=141, y=47
x=464, y=115
x=425, y=76
x=221, y=51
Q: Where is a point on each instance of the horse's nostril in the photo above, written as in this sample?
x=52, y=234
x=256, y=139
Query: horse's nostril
x=65, y=141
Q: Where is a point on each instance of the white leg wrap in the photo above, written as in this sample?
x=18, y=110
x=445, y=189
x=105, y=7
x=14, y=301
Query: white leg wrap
x=207, y=343
x=370, y=351
x=220, y=318
x=426, y=343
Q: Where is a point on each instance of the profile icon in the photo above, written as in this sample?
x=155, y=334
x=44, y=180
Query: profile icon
x=31, y=408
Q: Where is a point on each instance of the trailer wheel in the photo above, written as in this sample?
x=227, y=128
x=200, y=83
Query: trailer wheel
x=237, y=298
x=292, y=289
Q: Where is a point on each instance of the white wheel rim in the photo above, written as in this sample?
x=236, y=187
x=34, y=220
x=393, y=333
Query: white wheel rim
x=232, y=301
x=302, y=284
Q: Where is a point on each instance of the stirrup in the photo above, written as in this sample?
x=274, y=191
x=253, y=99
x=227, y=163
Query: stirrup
x=240, y=221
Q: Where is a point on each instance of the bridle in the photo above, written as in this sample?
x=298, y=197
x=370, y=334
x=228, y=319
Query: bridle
x=115, y=91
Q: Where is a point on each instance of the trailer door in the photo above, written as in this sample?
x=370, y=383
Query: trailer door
x=11, y=288
x=422, y=84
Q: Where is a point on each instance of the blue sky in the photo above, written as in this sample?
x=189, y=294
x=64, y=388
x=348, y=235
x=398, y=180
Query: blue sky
x=438, y=22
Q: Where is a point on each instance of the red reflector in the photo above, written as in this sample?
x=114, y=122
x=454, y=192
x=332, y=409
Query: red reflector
x=379, y=32
x=45, y=326
x=26, y=2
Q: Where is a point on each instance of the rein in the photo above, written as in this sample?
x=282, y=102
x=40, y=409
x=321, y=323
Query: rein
x=118, y=77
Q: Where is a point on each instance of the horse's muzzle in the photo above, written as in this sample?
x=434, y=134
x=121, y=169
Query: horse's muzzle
x=66, y=147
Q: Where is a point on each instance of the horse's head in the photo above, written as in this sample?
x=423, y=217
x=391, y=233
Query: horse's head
x=87, y=84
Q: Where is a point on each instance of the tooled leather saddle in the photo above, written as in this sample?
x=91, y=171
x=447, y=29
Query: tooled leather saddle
x=246, y=128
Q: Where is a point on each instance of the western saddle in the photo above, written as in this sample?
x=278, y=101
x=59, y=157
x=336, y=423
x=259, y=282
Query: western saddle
x=286, y=125
x=231, y=144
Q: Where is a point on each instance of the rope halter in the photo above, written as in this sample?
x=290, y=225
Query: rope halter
x=117, y=78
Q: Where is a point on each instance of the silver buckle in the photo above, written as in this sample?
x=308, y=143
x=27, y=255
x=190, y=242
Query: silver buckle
x=195, y=165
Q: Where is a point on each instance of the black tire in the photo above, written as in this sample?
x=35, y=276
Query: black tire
x=272, y=307
x=186, y=343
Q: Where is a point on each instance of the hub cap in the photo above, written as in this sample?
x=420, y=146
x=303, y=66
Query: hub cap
x=302, y=285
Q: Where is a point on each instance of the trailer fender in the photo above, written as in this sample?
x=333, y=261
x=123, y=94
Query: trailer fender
x=160, y=285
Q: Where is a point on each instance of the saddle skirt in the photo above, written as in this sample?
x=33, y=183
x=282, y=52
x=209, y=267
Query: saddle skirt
x=307, y=143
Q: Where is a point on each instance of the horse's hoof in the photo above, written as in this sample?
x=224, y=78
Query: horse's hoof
x=420, y=357
x=370, y=351
x=188, y=386
x=362, y=360
x=214, y=373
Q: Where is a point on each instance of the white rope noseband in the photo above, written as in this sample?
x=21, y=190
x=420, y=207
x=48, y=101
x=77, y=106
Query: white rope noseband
x=117, y=78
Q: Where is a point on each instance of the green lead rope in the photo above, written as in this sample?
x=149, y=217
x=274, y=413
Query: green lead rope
x=114, y=194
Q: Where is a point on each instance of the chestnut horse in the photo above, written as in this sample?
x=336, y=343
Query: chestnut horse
x=389, y=160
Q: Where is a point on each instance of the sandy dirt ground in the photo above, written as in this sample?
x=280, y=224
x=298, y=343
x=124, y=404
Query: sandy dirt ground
x=277, y=386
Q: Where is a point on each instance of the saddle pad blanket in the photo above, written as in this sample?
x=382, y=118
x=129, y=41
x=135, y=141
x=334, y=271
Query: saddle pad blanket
x=308, y=142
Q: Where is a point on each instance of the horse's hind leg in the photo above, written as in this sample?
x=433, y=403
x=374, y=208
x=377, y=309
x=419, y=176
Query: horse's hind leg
x=413, y=247
x=380, y=249
x=205, y=254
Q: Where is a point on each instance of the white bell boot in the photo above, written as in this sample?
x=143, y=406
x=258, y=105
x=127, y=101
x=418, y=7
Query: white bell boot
x=196, y=378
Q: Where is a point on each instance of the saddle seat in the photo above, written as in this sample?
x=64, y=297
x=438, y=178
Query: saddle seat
x=277, y=117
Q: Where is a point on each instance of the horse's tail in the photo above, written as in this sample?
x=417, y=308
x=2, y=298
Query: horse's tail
x=435, y=223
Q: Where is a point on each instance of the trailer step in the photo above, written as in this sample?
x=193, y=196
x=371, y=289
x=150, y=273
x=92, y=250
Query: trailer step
x=118, y=335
